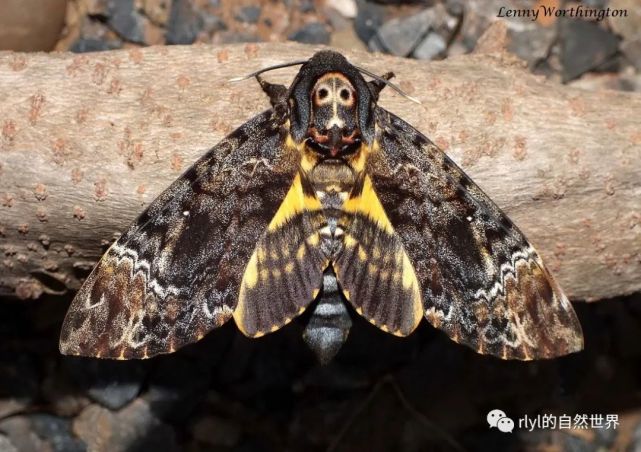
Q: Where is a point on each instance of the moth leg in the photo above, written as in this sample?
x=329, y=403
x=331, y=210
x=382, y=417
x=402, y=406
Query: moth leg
x=376, y=86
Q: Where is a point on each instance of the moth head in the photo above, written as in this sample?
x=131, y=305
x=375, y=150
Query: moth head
x=334, y=129
x=331, y=105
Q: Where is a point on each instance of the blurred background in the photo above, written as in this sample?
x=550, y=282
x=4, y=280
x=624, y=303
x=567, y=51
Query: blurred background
x=593, y=52
x=381, y=393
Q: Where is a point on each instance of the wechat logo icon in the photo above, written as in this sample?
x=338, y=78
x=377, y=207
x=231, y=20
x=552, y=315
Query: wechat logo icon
x=498, y=419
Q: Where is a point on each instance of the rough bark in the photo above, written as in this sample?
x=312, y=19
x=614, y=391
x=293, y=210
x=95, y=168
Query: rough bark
x=88, y=140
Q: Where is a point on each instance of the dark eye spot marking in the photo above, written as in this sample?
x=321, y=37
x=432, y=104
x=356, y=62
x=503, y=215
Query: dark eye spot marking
x=345, y=94
x=322, y=93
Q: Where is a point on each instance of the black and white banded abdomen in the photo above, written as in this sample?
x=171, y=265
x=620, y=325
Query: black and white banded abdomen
x=329, y=325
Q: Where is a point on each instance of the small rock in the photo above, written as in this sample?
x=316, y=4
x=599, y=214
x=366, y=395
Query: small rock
x=456, y=48
x=126, y=21
x=400, y=36
x=306, y=6
x=369, y=18
x=347, y=8
x=431, y=47
x=584, y=46
x=347, y=39
x=312, y=33
x=154, y=34
x=628, y=27
x=157, y=11
x=83, y=45
x=184, y=23
x=605, y=438
x=6, y=445
x=635, y=442
x=57, y=433
x=455, y=7
x=19, y=431
x=133, y=428
x=115, y=394
x=113, y=384
x=40, y=432
x=528, y=39
x=212, y=23
x=215, y=431
x=337, y=21
x=95, y=27
x=632, y=52
x=531, y=43
x=97, y=7
x=249, y=14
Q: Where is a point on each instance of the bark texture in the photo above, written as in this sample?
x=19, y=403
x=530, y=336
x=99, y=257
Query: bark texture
x=86, y=141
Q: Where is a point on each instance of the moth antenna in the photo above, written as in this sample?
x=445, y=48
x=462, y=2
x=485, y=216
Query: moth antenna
x=270, y=68
x=388, y=83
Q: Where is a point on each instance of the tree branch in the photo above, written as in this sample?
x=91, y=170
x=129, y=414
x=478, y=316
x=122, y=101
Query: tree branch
x=88, y=140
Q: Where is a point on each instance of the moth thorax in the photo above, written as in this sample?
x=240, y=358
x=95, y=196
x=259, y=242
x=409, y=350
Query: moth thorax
x=332, y=175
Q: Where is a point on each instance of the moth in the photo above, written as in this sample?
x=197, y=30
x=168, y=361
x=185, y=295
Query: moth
x=324, y=201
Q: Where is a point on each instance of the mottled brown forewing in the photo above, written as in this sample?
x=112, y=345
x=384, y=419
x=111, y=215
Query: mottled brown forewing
x=175, y=273
x=481, y=281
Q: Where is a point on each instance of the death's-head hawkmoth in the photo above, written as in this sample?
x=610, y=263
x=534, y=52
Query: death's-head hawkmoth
x=324, y=200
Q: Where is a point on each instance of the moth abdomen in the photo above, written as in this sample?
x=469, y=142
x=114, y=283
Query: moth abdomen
x=329, y=324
